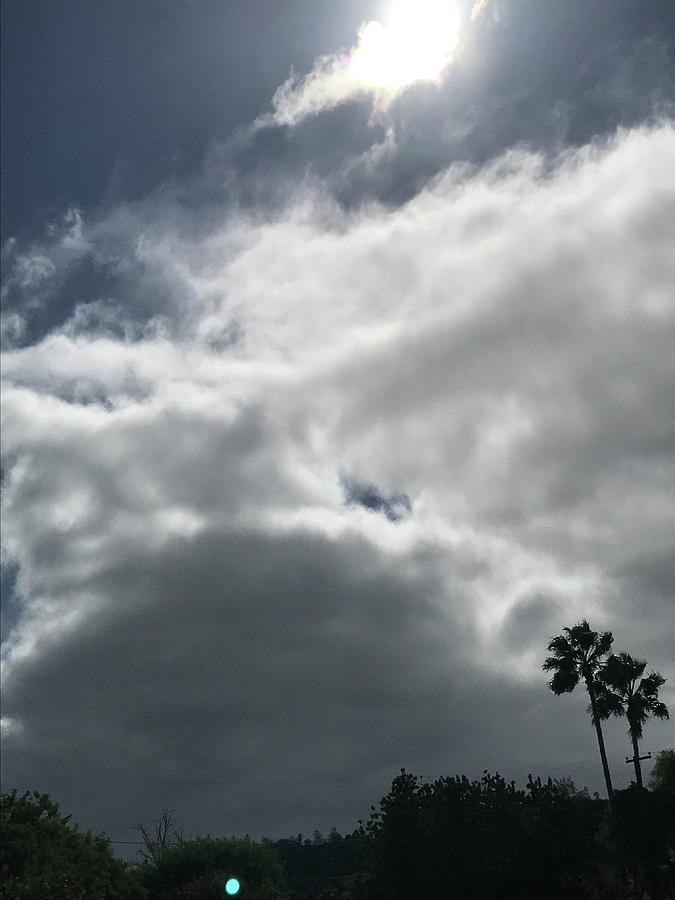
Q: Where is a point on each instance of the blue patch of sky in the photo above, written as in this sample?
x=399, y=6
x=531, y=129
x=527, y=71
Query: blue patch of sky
x=365, y=494
x=105, y=101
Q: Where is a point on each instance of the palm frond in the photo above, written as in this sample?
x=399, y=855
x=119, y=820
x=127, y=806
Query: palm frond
x=560, y=646
x=559, y=662
x=582, y=635
x=564, y=681
x=620, y=670
x=660, y=710
x=604, y=643
x=650, y=685
x=617, y=693
x=607, y=702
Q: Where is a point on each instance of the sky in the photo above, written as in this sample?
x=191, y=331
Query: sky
x=337, y=378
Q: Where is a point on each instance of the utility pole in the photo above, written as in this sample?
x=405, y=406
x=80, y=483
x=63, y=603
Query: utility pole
x=636, y=762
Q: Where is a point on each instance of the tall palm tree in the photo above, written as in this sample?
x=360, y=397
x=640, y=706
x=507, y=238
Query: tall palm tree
x=578, y=654
x=622, y=691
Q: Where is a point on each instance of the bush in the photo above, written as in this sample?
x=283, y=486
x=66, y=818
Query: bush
x=197, y=869
x=45, y=858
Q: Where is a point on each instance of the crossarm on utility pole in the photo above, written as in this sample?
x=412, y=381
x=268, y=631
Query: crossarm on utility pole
x=631, y=759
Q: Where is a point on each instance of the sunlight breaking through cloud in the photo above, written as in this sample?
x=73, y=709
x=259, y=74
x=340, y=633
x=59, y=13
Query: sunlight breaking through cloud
x=415, y=42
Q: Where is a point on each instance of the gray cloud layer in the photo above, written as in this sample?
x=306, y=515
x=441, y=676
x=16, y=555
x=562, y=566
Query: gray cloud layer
x=205, y=622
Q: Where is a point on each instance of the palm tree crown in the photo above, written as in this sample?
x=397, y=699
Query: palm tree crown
x=578, y=653
x=622, y=691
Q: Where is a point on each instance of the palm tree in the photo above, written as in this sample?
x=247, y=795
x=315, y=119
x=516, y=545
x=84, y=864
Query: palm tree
x=579, y=654
x=622, y=691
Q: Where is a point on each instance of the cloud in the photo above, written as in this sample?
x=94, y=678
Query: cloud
x=35, y=274
x=196, y=602
x=330, y=83
x=605, y=68
x=412, y=44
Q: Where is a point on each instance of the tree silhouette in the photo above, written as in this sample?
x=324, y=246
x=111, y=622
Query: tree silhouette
x=165, y=832
x=578, y=654
x=622, y=691
x=486, y=839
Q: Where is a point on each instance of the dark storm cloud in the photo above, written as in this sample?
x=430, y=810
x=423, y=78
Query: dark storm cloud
x=253, y=656
x=263, y=679
x=646, y=587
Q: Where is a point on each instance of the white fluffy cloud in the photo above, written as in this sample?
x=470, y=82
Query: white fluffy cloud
x=200, y=605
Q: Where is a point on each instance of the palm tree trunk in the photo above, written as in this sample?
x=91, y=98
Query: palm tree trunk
x=636, y=761
x=601, y=742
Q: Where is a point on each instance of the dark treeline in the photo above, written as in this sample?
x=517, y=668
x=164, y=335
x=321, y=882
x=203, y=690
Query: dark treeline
x=453, y=839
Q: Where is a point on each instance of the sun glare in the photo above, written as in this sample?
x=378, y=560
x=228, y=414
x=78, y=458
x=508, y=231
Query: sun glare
x=415, y=43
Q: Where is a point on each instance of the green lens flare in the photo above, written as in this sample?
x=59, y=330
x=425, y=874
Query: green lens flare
x=232, y=886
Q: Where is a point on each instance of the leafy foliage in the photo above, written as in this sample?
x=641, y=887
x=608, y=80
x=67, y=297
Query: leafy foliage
x=663, y=774
x=46, y=858
x=198, y=868
x=483, y=839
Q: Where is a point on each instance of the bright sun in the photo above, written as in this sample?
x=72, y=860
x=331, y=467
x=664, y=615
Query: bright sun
x=415, y=43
